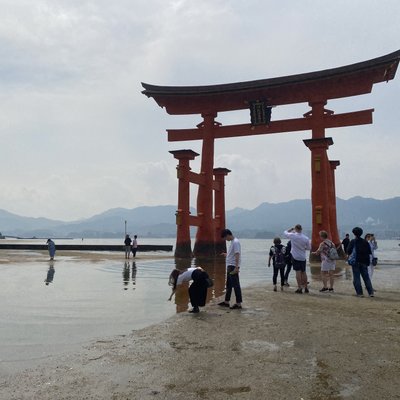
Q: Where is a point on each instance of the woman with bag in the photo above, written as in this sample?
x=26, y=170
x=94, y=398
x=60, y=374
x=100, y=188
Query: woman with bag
x=197, y=290
x=327, y=265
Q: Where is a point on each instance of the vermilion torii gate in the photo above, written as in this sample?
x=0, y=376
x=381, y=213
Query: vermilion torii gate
x=314, y=88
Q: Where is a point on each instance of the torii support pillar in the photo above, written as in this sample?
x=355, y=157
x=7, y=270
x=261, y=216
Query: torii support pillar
x=205, y=244
x=320, y=199
x=219, y=200
x=183, y=246
x=332, y=200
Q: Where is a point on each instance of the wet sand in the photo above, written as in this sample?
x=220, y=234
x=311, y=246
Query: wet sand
x=279, y=346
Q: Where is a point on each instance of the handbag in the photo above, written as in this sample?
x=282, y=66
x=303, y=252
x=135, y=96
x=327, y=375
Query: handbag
x=352, y=257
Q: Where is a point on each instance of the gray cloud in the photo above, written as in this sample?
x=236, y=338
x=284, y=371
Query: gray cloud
x=78, y=137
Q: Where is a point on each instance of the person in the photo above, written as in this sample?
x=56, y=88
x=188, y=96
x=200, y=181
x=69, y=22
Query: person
x=370, y=238
x=198, y=288
x=362, y=259
x=127, y=243
x=232, y=261
x=345, y=242
x=134, y=246
x=51, y=246
x=277, y=255
x=300, y=243
x=327, y=265
x=288, y=259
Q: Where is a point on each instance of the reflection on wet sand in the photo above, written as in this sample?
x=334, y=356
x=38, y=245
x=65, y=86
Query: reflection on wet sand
x=216, y=270
x=50, y=273
x=127, y=275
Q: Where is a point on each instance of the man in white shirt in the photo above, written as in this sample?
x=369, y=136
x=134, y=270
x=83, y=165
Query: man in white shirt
x=300, y=243
x=232, y=271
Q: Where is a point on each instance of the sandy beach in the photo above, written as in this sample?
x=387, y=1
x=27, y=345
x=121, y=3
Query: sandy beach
x=279, y=346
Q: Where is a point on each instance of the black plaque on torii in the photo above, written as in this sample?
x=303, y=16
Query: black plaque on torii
x=260, y=112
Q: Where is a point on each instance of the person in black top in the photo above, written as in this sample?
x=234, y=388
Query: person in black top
x=277, y=255
x=288, y=259
x=345, y=242
x=363, y=252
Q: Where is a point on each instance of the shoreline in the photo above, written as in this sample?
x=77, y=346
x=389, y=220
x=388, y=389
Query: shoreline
x=280, y=345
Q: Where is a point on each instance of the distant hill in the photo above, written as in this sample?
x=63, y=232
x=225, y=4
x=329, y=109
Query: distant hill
x=380, y=216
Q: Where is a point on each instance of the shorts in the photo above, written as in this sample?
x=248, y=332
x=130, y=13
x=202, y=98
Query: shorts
x=299, y=265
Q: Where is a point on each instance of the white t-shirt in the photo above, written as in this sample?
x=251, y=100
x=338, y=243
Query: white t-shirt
x=300, y=243
x=234, y=248
x=185, y=276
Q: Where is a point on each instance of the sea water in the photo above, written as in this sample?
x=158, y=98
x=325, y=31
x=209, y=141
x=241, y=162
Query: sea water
x=47, y=308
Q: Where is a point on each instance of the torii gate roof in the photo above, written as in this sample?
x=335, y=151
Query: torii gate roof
x=350, y=80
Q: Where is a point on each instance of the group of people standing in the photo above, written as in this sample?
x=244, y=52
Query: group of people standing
x=359, y=249
x=130, y=246
x=284, y=258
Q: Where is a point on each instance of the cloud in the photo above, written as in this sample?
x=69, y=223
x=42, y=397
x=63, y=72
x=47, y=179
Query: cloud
x=77, y=136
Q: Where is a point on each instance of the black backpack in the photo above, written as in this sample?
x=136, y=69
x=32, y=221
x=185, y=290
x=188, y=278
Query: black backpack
x=279, y=256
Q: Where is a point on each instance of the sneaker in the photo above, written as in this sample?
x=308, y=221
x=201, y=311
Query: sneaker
x=299, y=291
x=281, y=288
x=306, y=290
x=223, y=304
x=359, y=295
x=331, y=289
x=236, y=307
x=371, y=295
x=286, y=284
x=194, y=311
x=275, y=289
x=324, y=289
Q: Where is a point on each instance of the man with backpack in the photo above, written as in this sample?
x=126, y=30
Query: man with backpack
x=277, y=255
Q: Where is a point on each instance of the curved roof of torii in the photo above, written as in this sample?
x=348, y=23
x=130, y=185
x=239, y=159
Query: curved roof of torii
x=350, y=80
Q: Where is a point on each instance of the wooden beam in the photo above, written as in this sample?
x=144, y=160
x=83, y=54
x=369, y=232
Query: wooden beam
x=287, y=125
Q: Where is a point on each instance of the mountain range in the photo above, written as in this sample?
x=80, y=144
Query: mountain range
x=265, y=221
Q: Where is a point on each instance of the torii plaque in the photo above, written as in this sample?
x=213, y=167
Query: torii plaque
x=314, y=88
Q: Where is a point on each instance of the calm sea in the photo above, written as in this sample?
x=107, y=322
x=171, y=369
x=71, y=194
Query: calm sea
x=86, y=300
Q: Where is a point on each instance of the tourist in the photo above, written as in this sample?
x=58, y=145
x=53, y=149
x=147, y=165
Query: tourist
x=277, y=255
x=127, y=243
x=288, y=260
x=233, y=258
x=370, y=238
x=51, y=246
x=345, y=242
x=198, y=288
x=134, y=246
x=327, y=265
x=362, y=251
x=300, y=243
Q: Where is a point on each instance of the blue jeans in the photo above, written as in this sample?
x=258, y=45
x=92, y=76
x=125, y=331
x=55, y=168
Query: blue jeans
x=361, y=269
x=232, y=282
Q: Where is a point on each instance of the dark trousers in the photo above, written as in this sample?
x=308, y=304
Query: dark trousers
x=287, y=272
x=232, y=282
x=361, y=270
x=281, y=270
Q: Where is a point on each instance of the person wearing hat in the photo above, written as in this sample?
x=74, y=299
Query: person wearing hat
x=232, y=270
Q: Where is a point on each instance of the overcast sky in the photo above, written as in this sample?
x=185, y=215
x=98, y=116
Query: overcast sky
x=77, y=137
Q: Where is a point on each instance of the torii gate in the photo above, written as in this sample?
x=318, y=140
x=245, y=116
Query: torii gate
x=314, y=88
